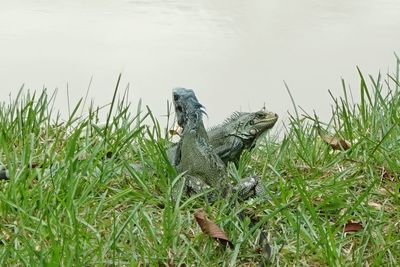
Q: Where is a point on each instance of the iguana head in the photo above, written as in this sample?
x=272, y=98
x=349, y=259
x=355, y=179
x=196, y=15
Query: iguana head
x=187, y=107
x=250, y=125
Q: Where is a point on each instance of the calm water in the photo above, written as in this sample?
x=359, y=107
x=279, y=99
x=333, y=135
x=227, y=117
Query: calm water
x=235, y=54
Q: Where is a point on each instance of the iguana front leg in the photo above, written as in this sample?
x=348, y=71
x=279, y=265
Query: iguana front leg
x=194, y=185
x=249, y=187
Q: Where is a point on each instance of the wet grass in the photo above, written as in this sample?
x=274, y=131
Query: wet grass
x=74, y=198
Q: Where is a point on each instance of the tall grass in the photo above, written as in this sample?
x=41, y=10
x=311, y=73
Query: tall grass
x=76, y=196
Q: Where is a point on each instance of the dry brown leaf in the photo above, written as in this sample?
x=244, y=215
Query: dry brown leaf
x=352, y=227
x=35, y=165
x=210, y=228
x=173, y=132
x=177, y=131
x=336, y=143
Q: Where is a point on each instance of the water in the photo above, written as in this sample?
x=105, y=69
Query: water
x=235, y=54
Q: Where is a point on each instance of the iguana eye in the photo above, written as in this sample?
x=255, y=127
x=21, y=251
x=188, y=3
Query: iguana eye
x=179, y=108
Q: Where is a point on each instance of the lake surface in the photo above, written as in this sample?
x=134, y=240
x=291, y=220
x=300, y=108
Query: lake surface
x=235, y=54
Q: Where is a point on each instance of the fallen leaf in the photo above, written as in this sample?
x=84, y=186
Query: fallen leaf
x=336, y=143
x=173, y=132
x=177, y=131
x=352, y=227
x=35, y=165
x=212, y=229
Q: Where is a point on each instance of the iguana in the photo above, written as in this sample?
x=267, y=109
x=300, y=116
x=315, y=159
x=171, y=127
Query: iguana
x=201, y=166
x=237, y=133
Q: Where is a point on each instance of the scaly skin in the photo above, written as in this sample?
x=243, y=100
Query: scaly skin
x=202, y=167
x=240, y=132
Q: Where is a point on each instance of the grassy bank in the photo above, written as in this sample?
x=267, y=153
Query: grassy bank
x=74, y=199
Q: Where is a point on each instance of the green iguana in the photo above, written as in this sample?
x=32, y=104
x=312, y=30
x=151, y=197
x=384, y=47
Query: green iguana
x=202, y=167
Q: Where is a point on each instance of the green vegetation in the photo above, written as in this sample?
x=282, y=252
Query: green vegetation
x=73, y=198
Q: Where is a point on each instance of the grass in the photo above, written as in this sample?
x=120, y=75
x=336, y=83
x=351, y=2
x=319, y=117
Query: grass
x=86, y=206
